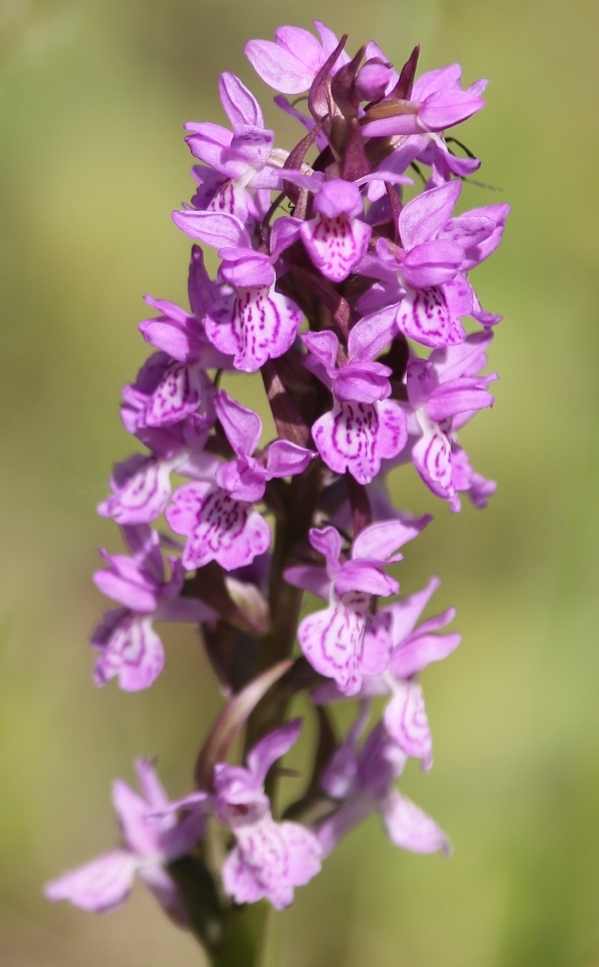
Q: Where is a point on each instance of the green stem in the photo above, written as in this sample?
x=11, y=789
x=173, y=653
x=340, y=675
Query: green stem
x=244, y=937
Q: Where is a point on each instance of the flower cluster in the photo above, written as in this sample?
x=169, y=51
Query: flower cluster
x=349, y=290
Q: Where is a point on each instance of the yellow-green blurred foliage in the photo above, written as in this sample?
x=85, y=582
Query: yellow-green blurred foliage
x=93, y=94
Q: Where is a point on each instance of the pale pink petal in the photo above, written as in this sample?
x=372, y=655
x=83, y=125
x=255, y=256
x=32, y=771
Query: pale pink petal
x=142, y=496
x=225, y=530
x=241, y=425
x=406, y=722
x=280, y=69
x=407, y=611
x=272, y=747
x=379, y=541
x=178, y=395
x=336, y=245
x=140, y=835
x=427, y=214
x=432, y=458
x=420, y=650
x=134, y=653
x=253, y=325
x=356, y=436
x=425, y=316
x=98, y=887
x=269, y=860
x=182, y=514
x=332, y=640
x=408, y=827
x=241, y=107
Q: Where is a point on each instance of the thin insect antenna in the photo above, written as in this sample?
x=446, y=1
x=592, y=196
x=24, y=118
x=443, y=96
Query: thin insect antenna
x=462, y=146
x=298, y=100
x=479, y=184
x=418, y=172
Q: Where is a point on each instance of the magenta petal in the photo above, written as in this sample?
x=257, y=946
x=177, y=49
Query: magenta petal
x=324, y=345
x=421, y=650
x=272, y=747
x=408, y=827
x=446, y=108
x=253, y=325
x=127, y=583
x=392, y=434
x=372, y=334
x=331, y=830
x=142, y=495
x=431, y=263
x=381, y=540
x=424, y=217
x=178, y=395
x=227, y=531
x=241, y=425
x=377, y=644
x=362, y=382
x=332, y=640
x=328, y=541
x=134, y=653
x=269, y=860
x=336, y=245
x=241, y=107
x=284, y=233
x=281, y=69
x=183, y=340
x=98, y=887
x=141, y=835
x=241, y=480
x=213, y=228
x=443, y=78
x=463, y=395
x=425, y=316
x=303, y=853
x=285, y=459
x=355, y=436
x=312, y=579
x=432, y=459
x=406, y=611
x=406, y=722
x=365, y=576
x=186, y=503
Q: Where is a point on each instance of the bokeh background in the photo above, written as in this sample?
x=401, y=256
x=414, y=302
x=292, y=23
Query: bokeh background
x=93, y=95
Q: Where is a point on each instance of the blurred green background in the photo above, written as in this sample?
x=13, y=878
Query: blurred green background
x=93, y=95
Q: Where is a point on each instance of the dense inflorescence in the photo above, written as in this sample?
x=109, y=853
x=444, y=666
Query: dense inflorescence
x=355, y=306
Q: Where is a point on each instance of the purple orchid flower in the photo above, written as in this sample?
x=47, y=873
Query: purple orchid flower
x=148, y=845
x=217, y=516
x=437, y=102
x=166, y=392
x=269, y=858
x=427, y=272
x=292, y=62
x=412, y=650
x=337, y=238
x=126, y=641
x=253, y=322
x=243, y=158
x=444, y=393
x=363, y=780
x=140, y=488
x=364, y=426
x=345, y=641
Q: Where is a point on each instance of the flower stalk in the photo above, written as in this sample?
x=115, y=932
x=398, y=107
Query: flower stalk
x=349, y=291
